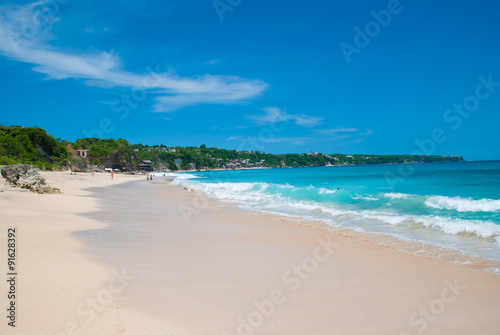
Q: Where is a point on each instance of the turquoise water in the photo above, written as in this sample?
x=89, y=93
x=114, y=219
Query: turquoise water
x=452, y=205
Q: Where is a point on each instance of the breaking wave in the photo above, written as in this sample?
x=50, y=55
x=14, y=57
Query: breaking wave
x=463, y=204
x=346, y=209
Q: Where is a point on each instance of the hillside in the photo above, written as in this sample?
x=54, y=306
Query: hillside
x=31, y=146
x=116, y=154
x=35, y=146
x=184, y=158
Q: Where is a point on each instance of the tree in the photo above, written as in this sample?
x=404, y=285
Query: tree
x=172, y=166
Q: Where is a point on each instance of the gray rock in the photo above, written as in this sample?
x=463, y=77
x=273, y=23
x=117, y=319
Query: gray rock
x=79, y=166
x=26, y=176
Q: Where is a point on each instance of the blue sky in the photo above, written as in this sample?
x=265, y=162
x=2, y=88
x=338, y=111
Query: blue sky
x=342, y=76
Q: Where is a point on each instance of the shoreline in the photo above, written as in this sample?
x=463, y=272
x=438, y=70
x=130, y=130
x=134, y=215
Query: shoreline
x=409, y=246
x=414, y=248
x=418, y=241
x=205, y=275
x=309, y=166
x=207, y=266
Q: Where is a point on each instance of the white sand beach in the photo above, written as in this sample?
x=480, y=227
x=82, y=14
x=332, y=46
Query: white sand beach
x=119, y=257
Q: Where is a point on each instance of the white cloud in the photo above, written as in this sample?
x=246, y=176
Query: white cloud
x=300, y=140
x=335, y=131
x=308, y=121
x=275, y=114
x=337, y=134
x=105, y=69
x=260, y=142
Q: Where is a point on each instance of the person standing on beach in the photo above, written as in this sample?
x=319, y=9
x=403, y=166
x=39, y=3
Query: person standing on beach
x=112, y=174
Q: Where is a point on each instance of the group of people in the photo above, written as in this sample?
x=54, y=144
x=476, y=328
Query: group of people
x=150, y=177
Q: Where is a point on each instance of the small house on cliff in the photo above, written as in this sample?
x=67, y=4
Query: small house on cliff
x=145, y=165
x=82, y=153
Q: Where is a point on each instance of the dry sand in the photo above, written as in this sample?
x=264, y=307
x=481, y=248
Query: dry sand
x=54, y=276
x=221, y=271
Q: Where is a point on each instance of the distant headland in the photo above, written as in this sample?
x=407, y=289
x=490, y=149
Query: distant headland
x=34, y=146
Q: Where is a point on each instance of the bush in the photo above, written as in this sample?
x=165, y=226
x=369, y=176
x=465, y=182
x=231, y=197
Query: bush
x=31, y=146
x=7, y=161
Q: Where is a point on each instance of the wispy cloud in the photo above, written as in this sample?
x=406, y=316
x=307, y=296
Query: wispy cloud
x=276, y=114
x=308, y=121
x=335, y=131
x=298, y=140
x=271, y=115
x=105, y=69
x=337, y=139
x=292, y=140
x=338, y=136
x=354, y=135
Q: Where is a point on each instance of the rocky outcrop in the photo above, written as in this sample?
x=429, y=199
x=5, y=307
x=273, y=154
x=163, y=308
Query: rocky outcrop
x=79, y=166
x=27, y=176
x=116, y=160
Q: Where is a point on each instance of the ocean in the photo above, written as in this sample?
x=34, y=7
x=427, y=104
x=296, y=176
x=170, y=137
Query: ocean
x=449, y=210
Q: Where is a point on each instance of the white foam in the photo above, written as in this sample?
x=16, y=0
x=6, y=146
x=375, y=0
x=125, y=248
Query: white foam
x=253, y=196
x=366, y=198
x=483, y=229
x=396, y=195
x=463, y=204
x=326, y=191
x=243, y=192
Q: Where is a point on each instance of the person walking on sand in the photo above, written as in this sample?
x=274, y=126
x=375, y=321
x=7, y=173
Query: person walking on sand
x=148, y=177
x=112, y=175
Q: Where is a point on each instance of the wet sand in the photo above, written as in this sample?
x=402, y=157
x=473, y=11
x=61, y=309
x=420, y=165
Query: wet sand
x=213, y=273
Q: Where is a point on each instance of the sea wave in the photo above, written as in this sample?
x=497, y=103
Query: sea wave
x=451, y=226
x=463, y=204
x=396, y=195
x=283, y=199
x=366, y=198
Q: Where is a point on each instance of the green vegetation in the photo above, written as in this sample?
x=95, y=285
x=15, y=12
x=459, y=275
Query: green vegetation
x=34, y=146
x=100, y=147
x=31, y=146
x=120, y=152
x=212, y=158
